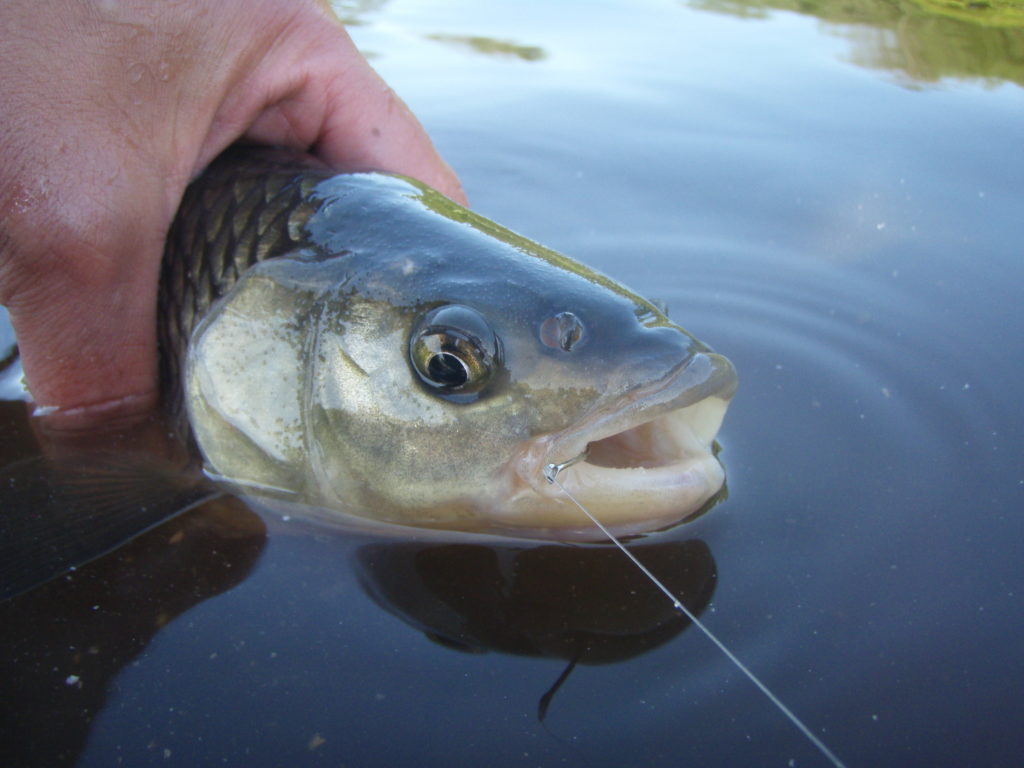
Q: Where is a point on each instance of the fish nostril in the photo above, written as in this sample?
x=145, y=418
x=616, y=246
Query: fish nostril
x=562, y=331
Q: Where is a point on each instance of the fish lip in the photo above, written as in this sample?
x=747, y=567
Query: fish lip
x=696, y=380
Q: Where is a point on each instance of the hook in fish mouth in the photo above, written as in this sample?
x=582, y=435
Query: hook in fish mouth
x=641, y=463
x=551, y=470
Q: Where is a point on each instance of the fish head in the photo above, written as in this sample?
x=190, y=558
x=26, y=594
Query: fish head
x=424, y=366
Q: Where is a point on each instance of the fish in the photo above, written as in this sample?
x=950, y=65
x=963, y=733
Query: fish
x=358, y=349
x=359, y=344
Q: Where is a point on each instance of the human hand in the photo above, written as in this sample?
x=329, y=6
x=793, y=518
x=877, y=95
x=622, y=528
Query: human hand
x=107, y=110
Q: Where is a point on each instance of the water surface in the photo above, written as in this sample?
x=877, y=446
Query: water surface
x=830, y=195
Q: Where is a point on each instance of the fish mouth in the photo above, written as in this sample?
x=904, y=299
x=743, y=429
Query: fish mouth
x=642, y=463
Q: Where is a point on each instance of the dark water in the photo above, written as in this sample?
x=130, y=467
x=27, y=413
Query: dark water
x=832, y=200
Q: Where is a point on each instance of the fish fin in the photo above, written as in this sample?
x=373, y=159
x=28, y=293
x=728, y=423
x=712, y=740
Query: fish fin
x=545, y=700
x=56, y=516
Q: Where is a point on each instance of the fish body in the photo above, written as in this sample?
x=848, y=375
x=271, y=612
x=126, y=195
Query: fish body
x=361, y=344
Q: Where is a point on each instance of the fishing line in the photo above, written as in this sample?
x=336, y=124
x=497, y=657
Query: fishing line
x=551, y=474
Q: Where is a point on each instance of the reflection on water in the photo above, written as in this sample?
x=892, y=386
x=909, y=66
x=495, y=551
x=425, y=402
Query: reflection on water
x=352, y=12
x=62, y=644
x=586, y=603
x=923, y=40
x=867, y=563
x=996, y=13
x=11, y=386
x=490, y=46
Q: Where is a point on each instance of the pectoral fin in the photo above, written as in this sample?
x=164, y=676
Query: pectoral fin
x=56, y=516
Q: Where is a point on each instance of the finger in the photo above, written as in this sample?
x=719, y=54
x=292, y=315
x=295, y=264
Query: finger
x=86, y=332
x=379, y=131
x=318, y=92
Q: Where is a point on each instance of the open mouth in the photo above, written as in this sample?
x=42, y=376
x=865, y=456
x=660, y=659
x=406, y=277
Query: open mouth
x=649, y=445
x=647, y=461
x=652, y=451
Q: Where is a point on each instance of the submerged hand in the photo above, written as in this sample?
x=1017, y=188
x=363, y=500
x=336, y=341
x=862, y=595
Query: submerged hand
x=107, y=110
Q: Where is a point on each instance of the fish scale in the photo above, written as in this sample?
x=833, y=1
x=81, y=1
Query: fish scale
x=236, y=215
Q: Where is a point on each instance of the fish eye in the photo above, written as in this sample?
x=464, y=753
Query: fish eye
x=454, y=351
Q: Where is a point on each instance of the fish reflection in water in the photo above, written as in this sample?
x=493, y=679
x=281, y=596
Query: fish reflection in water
x=63, y=643
x=587, y=605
